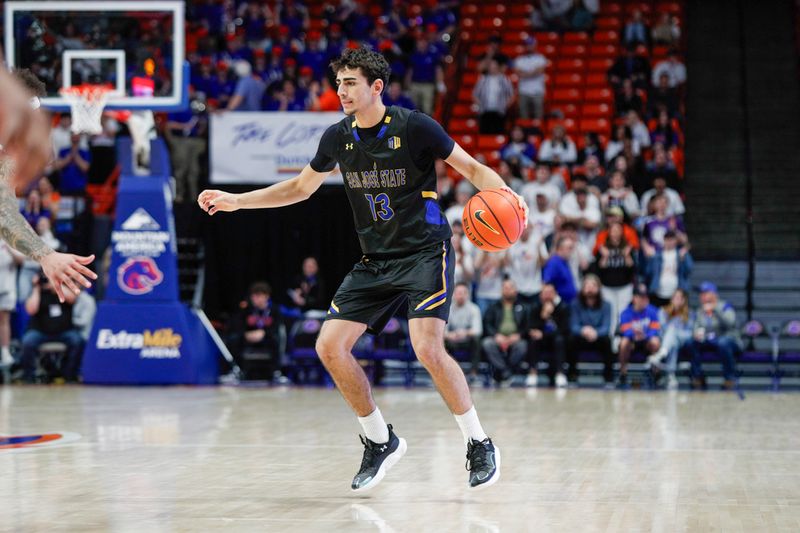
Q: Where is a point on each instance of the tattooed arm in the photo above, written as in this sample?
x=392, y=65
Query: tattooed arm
x=15, y=230
x=60, y=269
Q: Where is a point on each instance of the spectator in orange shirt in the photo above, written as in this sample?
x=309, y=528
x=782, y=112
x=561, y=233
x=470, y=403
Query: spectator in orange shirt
x=615, y=214
x=323, y=96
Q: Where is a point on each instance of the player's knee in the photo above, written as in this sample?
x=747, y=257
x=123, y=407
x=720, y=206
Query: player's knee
x=429, y=352
x=328, y=348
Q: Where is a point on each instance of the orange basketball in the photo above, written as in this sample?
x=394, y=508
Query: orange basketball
x=493, y=220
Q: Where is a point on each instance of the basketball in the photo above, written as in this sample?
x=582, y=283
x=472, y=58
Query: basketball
x=493, y=220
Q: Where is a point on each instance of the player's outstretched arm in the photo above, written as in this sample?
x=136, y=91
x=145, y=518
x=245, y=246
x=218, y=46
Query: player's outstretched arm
x=67, y=269
x=479, y=174
x=286, y=192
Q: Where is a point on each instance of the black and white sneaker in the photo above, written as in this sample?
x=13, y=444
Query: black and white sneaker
x=483, y=463
x=378, y=458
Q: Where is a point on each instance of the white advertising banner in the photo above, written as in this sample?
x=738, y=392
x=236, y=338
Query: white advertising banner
x=264, y=148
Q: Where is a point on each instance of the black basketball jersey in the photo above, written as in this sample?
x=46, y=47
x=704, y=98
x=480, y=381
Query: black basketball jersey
x=394, y=202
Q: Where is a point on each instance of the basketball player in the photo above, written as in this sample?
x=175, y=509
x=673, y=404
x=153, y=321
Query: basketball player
x=386, y=156
x=27, y=146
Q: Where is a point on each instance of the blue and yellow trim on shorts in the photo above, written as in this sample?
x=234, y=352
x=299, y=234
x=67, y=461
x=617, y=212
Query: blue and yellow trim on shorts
x=438, y=298
x=333, y=309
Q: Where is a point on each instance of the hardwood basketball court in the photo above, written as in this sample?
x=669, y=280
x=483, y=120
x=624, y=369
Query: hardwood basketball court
x=281, y=459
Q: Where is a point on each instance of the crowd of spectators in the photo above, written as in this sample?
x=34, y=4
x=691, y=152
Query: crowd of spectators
x=606, y=247
x=250, y=56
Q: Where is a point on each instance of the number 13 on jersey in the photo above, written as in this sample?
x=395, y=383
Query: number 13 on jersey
x=379, y=205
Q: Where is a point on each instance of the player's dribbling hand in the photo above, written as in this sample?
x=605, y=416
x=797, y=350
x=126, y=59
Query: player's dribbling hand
x=522, y=204
x=212, y=201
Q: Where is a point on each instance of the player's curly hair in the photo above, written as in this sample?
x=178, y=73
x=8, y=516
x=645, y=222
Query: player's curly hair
x=372, y=64
x=27, y=78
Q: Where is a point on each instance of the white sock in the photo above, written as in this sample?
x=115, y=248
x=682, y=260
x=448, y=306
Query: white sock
x=375, y=427
x=470, y=425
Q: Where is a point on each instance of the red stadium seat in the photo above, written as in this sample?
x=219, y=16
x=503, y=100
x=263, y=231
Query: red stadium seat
x=660, y=52
x=599, y=125
x=573, y=50
x=467, y=142
x=465, y=94
x=644, y=7
x=512, y=50
x=529, y=123
x=608, y=23
x=565, y=95
x=567, y=109
x=518, y=23
x=570, y=65
x=469, y=78
x=596, y=111
x=600, y=65
x=492, y=157
x=461, y=126
x=609, y=51
x=606, y=36
x=599, y=95
x=570, y=79
x=469, y=10
x=596, y=79
x=548, y=50
x=515, y=37
x=673, y=8
x=577, y=37
x=549, y=37
x=493, y=10
x=463, y=111
x=491, y=142
x=477, y=50
x=521, y=10
x=607, y=8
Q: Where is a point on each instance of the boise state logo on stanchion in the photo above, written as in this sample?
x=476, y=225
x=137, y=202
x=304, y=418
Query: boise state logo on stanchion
x=138, y=275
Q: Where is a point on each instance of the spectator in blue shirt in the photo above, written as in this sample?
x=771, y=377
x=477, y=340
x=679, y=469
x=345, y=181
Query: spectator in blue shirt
x=205, y=81
x=424, y=75
x=314, y=56
x=640, y=330
x=249, y=89
x=394, y=96
x=518, y=147
x=557, y=271
x=358, y=23
x=73, y=162
x=635, y=31
x=589, y=328
x=287, y=98
x=225, y=83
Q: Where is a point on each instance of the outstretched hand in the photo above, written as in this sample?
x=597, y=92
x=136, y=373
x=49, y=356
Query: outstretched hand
x=67, y=270
x=522, y=204
x=212, y=201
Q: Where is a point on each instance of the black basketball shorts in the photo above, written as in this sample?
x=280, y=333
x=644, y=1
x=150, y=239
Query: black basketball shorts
x=377, y=287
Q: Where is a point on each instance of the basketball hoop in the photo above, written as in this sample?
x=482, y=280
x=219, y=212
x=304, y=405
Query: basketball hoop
x=86, y=102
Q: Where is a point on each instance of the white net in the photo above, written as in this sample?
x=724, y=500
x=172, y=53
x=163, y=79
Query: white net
x=86, y=104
